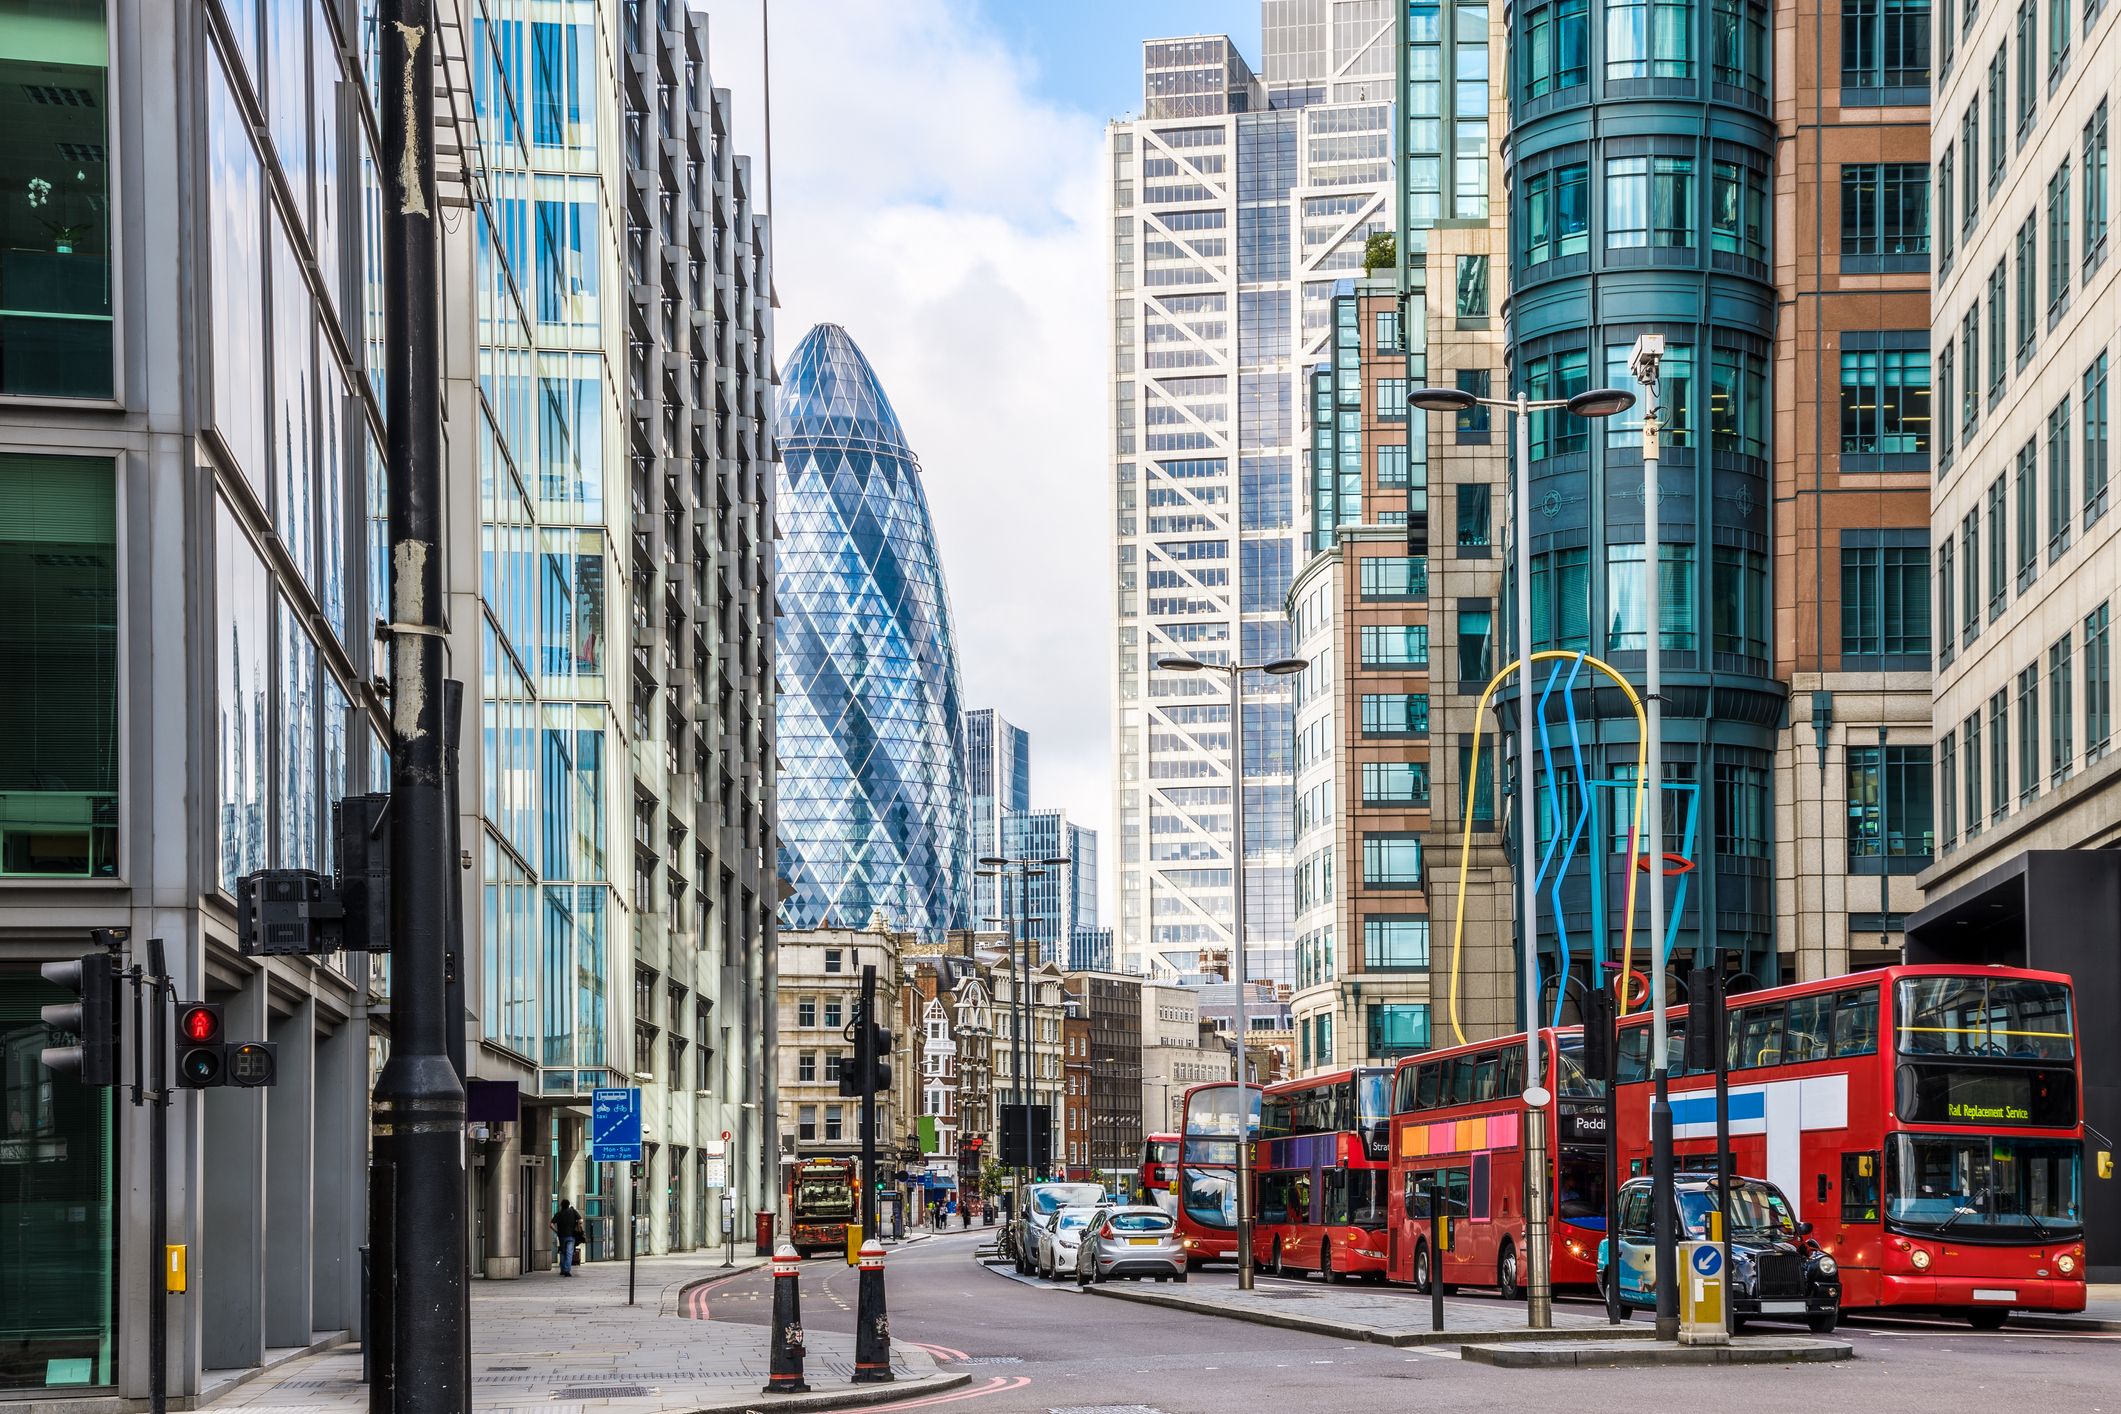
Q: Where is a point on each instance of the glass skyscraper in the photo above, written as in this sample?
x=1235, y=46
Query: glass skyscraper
x=874, y=813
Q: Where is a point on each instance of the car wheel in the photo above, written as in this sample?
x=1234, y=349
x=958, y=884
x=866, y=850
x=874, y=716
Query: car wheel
x=1181, y=1274
x=1326, y=1273
x=1422, y=1275
x=1281, y=1260
x=1987, y=1319
x=1506, y=1274
x=1737, y=1324
x=1605, y=1281
x=1823, y=1322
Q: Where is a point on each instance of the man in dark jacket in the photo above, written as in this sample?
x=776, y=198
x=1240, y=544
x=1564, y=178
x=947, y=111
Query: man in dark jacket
x=567, y=1226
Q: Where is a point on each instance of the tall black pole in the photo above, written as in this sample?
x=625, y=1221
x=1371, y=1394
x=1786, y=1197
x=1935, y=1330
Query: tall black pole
x=1719, y=1037
x=418, y=1116
x=156, y=985
x=453, y=954
x=1023, y=1078
x=865, y=1059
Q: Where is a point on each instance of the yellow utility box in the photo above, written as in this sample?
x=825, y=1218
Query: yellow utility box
x=176, y=1268
x=854, y=1243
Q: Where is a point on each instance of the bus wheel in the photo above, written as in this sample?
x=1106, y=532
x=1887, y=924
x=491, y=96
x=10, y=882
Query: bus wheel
x=1506, y=1274
x=1421, y=1269
x=1987, y=1318
x=1326, y=1273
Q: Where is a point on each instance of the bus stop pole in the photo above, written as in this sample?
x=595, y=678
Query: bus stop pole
x=1537, y=1161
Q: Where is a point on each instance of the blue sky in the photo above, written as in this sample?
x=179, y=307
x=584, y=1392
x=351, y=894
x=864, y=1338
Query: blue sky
x=1087, y=53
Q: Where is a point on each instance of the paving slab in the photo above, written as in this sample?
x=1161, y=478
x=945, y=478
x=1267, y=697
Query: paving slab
x=1745, y=1350
x=557, y=1344
x=1351, y=1313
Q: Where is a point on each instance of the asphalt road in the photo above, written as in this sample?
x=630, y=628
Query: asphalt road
x=1039, y=1348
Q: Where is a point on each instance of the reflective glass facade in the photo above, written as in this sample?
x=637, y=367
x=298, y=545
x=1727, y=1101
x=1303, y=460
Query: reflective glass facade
x=874, y=811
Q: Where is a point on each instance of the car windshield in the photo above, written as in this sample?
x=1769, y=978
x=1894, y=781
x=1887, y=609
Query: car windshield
x=1758, y=1213
x=1976, y=1186
x=1985, y=1016
x=1055, y=1196
x=1072, y=1222
x=1140, y=1222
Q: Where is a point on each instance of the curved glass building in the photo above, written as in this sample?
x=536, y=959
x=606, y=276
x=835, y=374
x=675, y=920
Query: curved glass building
x=1640, y=167
x=871, y=724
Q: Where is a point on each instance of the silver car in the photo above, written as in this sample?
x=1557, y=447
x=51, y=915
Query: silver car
x=1054, y=1241
x=1131, y=1242
x=1041, y=1202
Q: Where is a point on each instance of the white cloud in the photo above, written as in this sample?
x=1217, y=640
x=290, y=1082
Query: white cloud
x=952, y=221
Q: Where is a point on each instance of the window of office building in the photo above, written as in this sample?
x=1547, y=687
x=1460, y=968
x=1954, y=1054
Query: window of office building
x=1556, y=48
x=2058, y=244
x=1395, y=944
x=1626, y=601
x=1738, y=409
x=1646, y=39
x=1394, y=577
x=1470, y=426
x=1391, y=861
x=1557, y=213
x=2028, y=709
x=2095, y=441
x=2061, y=707
x=1885, y=45
x=1889, y=799
x=1885, y=216
x=2061, y=511
x=59, y=719
x=1558, y=376
x=1675, y=397
x=1885, y=404
x=58, y=1305
x=1475, y=634
x=56, y=271
x=1561, y=599
x=1394, y=645
x=2095, y=188
x=1395, y=783
x=1395, y=714
x=1739, y=617
x=1473, y=526
x=1738, y=200
x=1398, y=1029
x=1738, y=40
x=1649, y=201
x=1471, y=300
x=2098, y=684
x=1885, y=611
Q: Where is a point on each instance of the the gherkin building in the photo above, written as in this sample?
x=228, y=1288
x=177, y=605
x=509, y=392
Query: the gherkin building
x=871, y=723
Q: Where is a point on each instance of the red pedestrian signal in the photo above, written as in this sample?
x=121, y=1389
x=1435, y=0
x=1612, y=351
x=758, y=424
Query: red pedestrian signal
x=200, y=1023
x=202, y=1058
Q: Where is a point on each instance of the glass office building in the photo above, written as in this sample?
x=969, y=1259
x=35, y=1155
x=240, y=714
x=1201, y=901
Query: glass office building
x=874, y=812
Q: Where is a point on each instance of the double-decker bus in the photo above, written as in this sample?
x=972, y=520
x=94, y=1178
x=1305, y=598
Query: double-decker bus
x=1458, y=1123
x=1159, y=1166
x=1926, y=1121
x=1213, y=1119
x=1324, y=1161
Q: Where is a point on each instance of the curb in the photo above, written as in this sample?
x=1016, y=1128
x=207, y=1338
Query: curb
x=1517, y=1355
x=853, y=1398
x=2082, y=1325
x=1342, y=1330
x=674, y=1299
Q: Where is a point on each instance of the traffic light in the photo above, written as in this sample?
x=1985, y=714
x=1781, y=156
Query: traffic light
x=879, y=1059
x=1705, y=1040
x=92, y=1021
x=202, y=1056
x=1599, y=1016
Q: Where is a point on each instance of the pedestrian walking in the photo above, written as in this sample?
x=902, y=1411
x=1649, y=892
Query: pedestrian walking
x=567, y=1226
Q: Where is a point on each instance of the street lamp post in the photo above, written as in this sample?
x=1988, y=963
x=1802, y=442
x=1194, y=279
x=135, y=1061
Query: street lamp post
x=1280, y=667
x=1595, y=403
x=997, y=867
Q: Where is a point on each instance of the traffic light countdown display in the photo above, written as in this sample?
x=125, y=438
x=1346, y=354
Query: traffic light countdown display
x=206, y=1060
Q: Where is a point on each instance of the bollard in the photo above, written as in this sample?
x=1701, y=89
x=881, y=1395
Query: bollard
x=784, y=1374
x=872, y=1325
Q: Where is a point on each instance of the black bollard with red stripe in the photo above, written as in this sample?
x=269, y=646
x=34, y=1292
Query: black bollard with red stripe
x=784, y=1374
x=872, y=1326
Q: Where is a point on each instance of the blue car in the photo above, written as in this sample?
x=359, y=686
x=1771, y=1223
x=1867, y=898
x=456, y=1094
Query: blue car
x=1777, y=1272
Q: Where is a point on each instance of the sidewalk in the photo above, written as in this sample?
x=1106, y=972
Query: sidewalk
x=1351, y=1313
x=573, y=1346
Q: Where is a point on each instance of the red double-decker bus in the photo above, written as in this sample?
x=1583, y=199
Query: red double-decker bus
x=1213, y=1120
x=1323, y=1175
x=1458, y=1123
x=1159, y=1166
x=1926, y=1121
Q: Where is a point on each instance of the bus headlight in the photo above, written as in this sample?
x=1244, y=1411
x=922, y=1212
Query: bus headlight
x=1921, y=1259
x=2065, y=1264
x=1826, y=1266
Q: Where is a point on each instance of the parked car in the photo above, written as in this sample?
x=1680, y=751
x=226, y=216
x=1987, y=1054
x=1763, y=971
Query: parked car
x=1777, y=1272
x=1134, y=1242
x=1043, y=1200
x=1057, y=1237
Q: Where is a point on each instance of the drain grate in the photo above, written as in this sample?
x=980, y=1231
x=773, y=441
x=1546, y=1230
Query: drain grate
x=1105, y=1409
x=1287, y=1295
x=992, y=1360
x=604, y=1392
